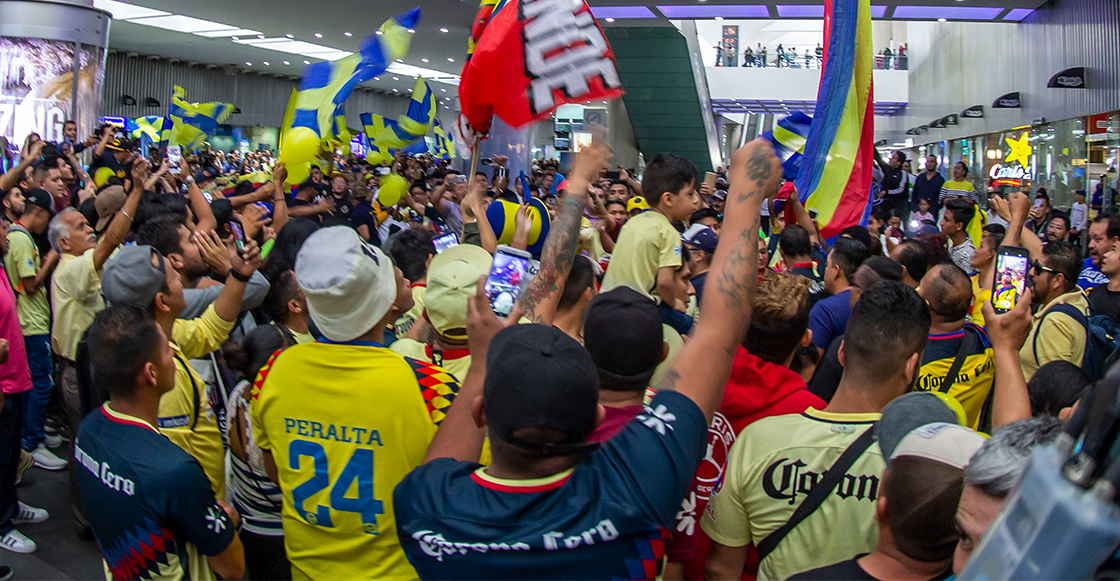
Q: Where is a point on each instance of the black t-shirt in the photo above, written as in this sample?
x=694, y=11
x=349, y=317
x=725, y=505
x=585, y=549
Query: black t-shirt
x=826, y=378
x=847, y=571
x=341, y=214
x=296, y=202
x=1105, y=302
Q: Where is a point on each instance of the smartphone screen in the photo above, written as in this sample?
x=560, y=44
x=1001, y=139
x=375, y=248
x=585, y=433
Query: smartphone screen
x=612, y=175
x=504, y=283
x=446, y=241
x=1011, y=277
x=238, y=234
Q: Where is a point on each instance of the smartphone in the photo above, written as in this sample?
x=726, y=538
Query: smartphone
x=445, y=241
x=507, y=274
x=1012, y=263
x=710, y=181
x=238, y=233
x=612, y=175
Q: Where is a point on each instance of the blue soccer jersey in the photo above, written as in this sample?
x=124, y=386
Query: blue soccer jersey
x=150, y=504
x=607, y=518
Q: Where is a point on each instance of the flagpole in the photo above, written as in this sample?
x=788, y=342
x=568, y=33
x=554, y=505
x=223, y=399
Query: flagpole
x=474, y=159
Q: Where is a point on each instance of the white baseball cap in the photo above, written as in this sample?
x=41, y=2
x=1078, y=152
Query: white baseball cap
x=350, y=285
x=941, y=442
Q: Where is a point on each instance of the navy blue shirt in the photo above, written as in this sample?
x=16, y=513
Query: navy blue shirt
x=829, y=318
x=607, y=518
x=149, y=502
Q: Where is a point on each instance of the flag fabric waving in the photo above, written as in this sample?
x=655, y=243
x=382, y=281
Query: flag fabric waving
x=406, y=129
x=192, y=122
x=486, y=10
x=150, y=125
x=325, y=86
x=835, y=177
x=445, y=149
x=532, y=57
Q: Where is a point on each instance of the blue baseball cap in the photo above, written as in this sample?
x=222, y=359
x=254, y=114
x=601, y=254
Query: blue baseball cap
x=701, y=237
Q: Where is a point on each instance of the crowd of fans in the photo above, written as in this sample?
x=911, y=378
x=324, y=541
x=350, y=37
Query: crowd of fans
x=275, y=381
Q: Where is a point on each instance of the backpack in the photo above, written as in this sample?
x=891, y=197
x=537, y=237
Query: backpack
x=1102, y=339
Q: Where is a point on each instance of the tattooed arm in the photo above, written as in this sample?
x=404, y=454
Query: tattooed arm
x=706, y=359
x=559, y=252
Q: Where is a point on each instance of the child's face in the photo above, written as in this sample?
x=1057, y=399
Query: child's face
x=923, y=206
x=895, y=222
x=681, y=205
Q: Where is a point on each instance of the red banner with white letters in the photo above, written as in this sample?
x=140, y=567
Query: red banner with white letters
x=533, y=56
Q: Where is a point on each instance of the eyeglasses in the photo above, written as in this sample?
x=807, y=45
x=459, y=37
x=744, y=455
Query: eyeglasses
x=1038, y=268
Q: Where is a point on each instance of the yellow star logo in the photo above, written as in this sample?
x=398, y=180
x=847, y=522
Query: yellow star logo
x=1020, y=150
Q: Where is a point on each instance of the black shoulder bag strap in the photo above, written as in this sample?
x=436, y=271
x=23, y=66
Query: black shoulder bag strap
x=967, y=344
x=194, y=388
x=816, y=497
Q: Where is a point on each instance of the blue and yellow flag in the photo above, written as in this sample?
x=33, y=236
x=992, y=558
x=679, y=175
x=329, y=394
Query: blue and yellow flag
x=325, y=86
x=386, y=133
x=192, y=122
x=445, y=148
x=151, y=125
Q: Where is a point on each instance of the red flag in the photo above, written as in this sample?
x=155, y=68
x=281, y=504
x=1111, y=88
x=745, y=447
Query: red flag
x=533, y=56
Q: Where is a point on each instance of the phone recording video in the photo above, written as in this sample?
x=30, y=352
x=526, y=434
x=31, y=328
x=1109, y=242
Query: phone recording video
x=1012, y=263
x=445, y=241
x=507, y=274
x=238, y=234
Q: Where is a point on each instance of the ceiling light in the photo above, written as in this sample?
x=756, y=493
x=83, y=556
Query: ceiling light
x=942, y=20
x=298, y=47
x=404, y=69
x=443, y=30
x=318, y=35
x=622, y=12
x=122, y=11
x=180, y=23
x=234, y=38
x=720, y=18
x=411, y=31
x=396, y=91
x=723, y=11
x=444, y=90
x=248, y=64
x=289, y=36
x=226, y=32
x=287, y=63
x=609, y=19
x=423, y=60
x=396, y=78
x=260, y=36
x=266, y=63
x=306, y=62
x=377, y=78
x=450, y=60
x=377, y=32
x=347, y=34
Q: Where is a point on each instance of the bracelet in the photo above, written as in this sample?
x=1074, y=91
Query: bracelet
x=238, y=276
x=130, y=218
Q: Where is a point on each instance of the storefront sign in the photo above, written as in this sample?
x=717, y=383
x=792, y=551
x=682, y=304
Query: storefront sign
x=949, y=120
x=1073, y=78
x=1008, y=101
x=937, y=124
x=1020, y=151
x=974, y=112
x=1010, y=172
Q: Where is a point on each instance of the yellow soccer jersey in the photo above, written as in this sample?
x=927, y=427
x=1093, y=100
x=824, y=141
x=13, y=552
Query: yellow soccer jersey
x=977, y=372
x=772, y=466
x=647, y=243
x=345, y=422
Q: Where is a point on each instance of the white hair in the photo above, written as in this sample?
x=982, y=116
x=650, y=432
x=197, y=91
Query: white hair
x=998, y=464
x=58, y=229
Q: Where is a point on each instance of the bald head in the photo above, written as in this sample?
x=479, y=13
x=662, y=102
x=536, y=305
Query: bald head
x=949, y=292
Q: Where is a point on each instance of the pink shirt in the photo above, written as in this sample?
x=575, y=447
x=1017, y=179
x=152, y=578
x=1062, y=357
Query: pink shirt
x=15, y=375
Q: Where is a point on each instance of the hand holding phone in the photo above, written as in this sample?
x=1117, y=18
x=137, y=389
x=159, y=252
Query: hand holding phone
x=238, y=233
x=1010, y=282
x=507, y=275
x=445, y=241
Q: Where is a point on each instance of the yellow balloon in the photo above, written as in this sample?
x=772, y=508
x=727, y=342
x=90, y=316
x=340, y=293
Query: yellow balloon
x=345, y=149
x=393, y=188
x=297, y=173
x=300, y=145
